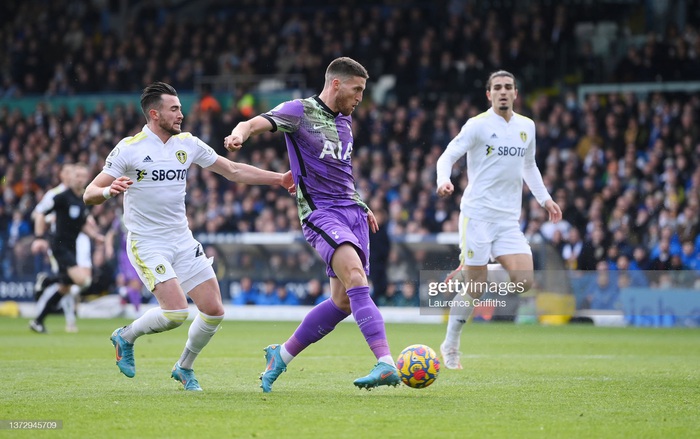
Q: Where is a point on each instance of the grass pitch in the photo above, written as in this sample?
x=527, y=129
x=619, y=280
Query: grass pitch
x=519, y=381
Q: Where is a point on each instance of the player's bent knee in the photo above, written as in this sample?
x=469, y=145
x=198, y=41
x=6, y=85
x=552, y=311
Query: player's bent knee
x=356, y=278
x=215, y=311
x=175, y=317
x=343, y=303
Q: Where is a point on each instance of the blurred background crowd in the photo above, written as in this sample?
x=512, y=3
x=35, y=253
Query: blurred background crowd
x=623, y=166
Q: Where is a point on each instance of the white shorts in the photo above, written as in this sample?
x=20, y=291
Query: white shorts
x=157, y=261
x=481, y=240
x=83, y=251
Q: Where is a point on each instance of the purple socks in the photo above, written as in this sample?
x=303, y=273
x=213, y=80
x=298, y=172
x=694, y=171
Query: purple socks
x=321, y=320
x=370, y=320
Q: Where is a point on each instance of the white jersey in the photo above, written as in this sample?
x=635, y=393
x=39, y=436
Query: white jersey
x=154, y=205
x=499, y=155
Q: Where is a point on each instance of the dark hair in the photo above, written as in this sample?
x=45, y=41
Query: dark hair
x=498, y=74
x=152, y=96
x=345, y=67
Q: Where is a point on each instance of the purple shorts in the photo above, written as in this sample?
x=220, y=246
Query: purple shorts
x=327, y=229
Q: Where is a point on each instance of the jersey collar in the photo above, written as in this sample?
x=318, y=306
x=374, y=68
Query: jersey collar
x=325, y=107
x=150, y=133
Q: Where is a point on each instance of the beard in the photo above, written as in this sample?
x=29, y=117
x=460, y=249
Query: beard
x=345, y=105
x=169, y=128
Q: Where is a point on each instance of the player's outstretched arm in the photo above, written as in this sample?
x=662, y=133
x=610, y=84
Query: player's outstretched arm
x=252, y=127
x=104, y=187
x=243, y=173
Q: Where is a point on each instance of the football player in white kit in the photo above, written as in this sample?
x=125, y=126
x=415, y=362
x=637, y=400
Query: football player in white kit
x=150, y=168
x=500, y=149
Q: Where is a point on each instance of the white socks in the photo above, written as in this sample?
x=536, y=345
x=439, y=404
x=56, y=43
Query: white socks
x=201, y=331
x=286, y=356
x=386, y=359
x=153, y=321
x=459, y=315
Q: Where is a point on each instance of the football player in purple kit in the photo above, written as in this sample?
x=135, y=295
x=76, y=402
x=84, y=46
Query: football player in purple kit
x=335, y=221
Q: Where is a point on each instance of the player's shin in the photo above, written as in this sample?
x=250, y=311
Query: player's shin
x=153, y=321
x=201, y=331
x=320, y=321
x=371, y=323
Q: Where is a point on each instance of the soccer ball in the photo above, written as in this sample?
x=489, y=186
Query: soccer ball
x=418, y=366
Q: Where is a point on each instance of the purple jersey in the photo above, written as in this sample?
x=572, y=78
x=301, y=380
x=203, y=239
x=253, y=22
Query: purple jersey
x=319, y=144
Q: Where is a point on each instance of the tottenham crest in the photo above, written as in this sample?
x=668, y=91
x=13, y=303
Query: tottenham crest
x=523, y=136
x=182, y=156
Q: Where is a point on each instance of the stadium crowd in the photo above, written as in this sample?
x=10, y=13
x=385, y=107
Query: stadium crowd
x=623, y=167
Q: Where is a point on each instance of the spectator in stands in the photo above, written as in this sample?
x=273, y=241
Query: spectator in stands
x=408, y=295
x=314, y=293
x=285, y=297
x=399, y=268
x=17, y=229
x=389, y=296
x=593, y=251
x=662, y=260
x=605, y=293
x=247, y=293
x=634, y=278
x=690, y=257
x=268, y=293
x=572, y=248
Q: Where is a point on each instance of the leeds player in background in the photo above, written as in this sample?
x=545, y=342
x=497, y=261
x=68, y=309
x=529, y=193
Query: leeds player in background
x=71, y=218
x=500, y=149
x=335, y=221
x=150, y=168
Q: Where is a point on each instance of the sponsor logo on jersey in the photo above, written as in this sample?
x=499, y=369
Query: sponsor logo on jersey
x=160, y=269
x=489, y=150
x=511, y=151
x=181, y=156
x=523, y=136
x=140, y=174
x=148, y=159
x=169, y=174
x=470, y=254
x=335, y=150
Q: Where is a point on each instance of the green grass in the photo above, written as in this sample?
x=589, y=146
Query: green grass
x=519, y=381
